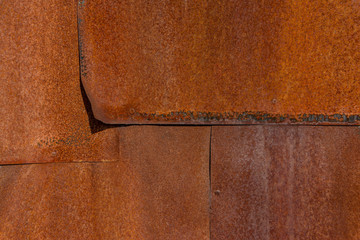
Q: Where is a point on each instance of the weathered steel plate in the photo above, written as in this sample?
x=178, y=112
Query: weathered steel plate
x=158, y=189
x=281, y=182
x=43, y=116
x=221, y=62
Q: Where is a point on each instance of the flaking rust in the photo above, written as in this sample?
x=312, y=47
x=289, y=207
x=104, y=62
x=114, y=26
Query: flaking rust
x=215, y=118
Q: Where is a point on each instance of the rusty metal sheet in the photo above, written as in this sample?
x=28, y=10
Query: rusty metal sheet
x=158, y=189
x=43, y=116
x=285, y=182
x=221, y=62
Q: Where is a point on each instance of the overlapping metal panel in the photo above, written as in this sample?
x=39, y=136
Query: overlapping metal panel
x=158, y=189
x=179, y=62
x=43, y=116
x=221, y=62
x=281, y=182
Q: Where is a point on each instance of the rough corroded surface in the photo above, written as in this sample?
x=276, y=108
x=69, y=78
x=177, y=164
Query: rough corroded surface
x=158, y=189
x=280, y=182
x=190, y=61
x=42, y=113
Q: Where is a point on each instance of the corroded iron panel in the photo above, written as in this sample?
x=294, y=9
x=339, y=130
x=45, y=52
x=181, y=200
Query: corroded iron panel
x=221, y=62
x=158, y=189
x=43, y=117
x=280, y=182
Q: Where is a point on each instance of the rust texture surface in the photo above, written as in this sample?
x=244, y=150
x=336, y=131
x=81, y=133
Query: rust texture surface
x=280, y=182
x=43, y=116
x=158, y=189
x=221, y=62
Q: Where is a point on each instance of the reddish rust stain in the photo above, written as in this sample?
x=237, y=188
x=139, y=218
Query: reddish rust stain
x=144, y=58
x=158, y=189
x=42, y=112
x=282, y=182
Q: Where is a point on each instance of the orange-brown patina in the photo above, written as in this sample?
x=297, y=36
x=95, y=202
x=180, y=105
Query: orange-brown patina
x=171, y=61
x=285, y=182
x=43, y=115
x=158, y=189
